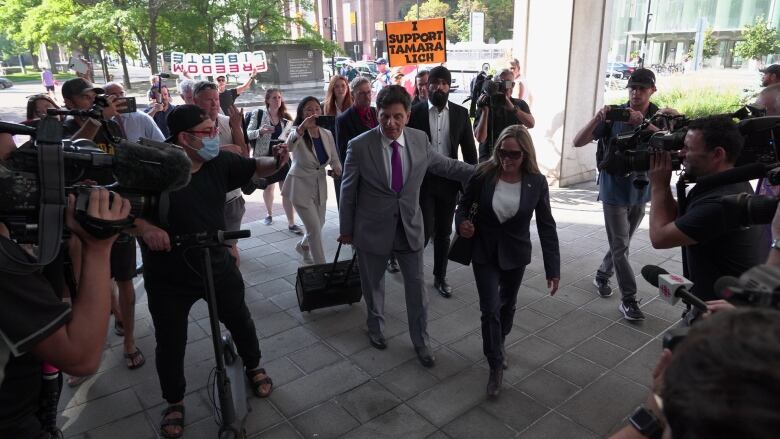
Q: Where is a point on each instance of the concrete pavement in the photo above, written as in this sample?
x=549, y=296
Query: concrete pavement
x=576, y=368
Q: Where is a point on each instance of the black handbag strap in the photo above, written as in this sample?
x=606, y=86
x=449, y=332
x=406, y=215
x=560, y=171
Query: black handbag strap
x=333, y=269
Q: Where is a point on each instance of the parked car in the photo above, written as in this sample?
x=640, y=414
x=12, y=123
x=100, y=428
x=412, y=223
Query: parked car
x=6, y=83
x=619, y=70
x=366, y=70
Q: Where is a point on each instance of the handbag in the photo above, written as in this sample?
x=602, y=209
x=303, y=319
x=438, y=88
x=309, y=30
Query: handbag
x=330, y=284
x=461, y=248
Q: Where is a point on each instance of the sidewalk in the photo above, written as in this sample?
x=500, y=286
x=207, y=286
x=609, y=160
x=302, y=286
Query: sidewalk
x=576, y=369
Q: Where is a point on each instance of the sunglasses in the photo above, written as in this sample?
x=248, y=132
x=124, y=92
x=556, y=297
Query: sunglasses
x=512, y=155
x=208, y=133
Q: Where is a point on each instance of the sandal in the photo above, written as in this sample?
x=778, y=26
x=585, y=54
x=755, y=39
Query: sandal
x=172, y=422
x=119, y=328
x=257, y=385
x=133, y=358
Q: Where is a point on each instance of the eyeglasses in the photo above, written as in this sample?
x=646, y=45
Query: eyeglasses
x=512, y=155
x=208, y=133
x=220, y=79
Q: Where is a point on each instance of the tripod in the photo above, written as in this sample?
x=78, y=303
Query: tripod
x=229, y=374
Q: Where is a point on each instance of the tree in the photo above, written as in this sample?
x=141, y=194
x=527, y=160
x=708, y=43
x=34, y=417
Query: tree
x=710, y=45
x=462, y=17
x=428, y=9
x=758, y=41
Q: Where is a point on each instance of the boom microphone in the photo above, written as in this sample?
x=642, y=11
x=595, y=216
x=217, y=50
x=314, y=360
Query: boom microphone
x=16, y=129
x=733, y=175
x=151, y=166
x=672, y=287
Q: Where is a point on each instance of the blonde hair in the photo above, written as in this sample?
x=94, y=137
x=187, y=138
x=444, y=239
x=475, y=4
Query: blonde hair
x=492, y=167
x=330, y=97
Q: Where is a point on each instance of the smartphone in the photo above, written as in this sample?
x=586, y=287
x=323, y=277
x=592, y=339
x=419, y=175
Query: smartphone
x=618, y=114
x=330, y=172
x=126, y=105
x=326, y=121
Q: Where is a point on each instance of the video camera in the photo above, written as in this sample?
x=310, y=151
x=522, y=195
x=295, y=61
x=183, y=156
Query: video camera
x=35, y=181
x=493, y=90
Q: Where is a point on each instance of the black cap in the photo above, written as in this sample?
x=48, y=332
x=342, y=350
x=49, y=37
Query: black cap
x=774, y=68
x=440, y=72
x=642, y=78
x=77, y=86
x=183, y=118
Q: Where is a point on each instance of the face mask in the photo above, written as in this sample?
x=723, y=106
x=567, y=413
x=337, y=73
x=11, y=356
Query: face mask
x=438, y=98
x=210, y=148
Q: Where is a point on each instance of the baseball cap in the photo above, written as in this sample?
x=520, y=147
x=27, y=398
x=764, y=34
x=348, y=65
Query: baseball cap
x=183, y=118
x=78, y=86
x=774, y=68
x=381, y=61
x=642, y=78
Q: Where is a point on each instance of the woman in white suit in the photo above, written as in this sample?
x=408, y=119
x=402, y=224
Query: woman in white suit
x=313, y=148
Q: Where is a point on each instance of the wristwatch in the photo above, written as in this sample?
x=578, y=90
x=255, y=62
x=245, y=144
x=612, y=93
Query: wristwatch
x=775, y=244
x=646, y=423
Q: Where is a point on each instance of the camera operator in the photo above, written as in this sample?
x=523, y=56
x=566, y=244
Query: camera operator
x=713, y=242
x=80, y=94
x=721, y=382
x=36, y=326
x=492, y=119
x=172, y=275
x=623, y=203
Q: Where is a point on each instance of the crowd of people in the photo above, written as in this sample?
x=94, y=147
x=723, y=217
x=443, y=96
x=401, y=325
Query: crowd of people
x=404, y=170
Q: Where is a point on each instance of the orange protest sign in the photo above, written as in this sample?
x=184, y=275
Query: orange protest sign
x=416, y=42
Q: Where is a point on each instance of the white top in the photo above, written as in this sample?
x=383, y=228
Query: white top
x=226, y=138
x=506, y=199
x=439, y=122
x=138, y=124
x=388, y=156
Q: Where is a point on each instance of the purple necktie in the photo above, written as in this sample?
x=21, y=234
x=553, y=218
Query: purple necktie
x=397, y=182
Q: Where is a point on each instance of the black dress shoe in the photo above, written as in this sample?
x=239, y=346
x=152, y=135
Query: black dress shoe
x=377, y=341
x=443, y=288
x=392, y=266
x=425, y=356
x=494, y=382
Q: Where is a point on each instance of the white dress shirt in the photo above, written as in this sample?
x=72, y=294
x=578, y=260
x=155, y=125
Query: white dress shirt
x=388, y=156
x=439, y=122
x=506, y=199
x=138, y=124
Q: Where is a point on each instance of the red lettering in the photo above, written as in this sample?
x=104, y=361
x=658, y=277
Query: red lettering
x=234, y=68
x=207, y=69
x=220, y=68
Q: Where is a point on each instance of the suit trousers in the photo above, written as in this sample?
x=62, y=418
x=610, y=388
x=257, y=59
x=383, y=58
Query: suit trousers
x=621, y=222
x=372, y=279
x=497, y=291
x=438, y=209
x=169, y=312
x=313, y=216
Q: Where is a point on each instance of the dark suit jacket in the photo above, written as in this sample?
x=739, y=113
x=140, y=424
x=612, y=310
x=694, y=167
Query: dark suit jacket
x=348, y=126
x=461, y=136
x=508, y=245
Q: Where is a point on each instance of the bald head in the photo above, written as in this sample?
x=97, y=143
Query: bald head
x=769, y=99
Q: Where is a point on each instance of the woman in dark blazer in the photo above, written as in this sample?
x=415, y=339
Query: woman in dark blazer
x=508, y=189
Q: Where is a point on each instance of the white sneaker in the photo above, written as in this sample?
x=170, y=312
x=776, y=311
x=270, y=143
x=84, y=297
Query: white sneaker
x=307, y=259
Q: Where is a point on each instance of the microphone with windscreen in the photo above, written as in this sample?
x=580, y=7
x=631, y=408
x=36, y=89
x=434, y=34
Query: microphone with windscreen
x=672, y=287
x=759, y=286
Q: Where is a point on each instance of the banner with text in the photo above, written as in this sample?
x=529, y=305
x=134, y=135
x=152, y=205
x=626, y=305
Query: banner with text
x=416, y=42
x=215, y=64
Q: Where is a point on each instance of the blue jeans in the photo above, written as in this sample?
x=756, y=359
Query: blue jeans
x=621, y=222
x=497, y=298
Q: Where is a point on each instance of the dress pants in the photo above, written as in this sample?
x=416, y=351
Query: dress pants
x=372, y=278
x=438, y=209
x=312, y=213
x=497, y=291
x=621, y=222
x=169, y=310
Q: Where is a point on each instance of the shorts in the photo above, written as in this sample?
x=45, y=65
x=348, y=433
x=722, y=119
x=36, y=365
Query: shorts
x=49, y=88
x=234, y=213
x=123, y=259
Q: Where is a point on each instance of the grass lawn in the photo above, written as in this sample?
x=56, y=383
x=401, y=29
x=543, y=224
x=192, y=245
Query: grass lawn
x=34, y=76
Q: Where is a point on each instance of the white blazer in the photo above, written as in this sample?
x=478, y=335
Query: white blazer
x=307, y=179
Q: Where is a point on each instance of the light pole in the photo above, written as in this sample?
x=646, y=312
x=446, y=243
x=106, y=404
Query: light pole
x=332, y=36
x=644, y=42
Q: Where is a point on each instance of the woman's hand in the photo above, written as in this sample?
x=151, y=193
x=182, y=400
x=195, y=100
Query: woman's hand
x=552, y=284
x=466, y=229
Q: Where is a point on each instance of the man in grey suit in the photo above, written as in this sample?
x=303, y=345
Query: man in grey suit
x=380, y=211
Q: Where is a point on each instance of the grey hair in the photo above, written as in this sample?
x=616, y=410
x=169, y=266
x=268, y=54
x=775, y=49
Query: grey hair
x=186, y=86
x=357, y=82
x=203, y=85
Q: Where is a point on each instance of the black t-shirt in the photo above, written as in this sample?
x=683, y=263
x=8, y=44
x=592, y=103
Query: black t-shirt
x=723, y=248
x=227, y=98
x=30, y=311
x=198, y=207
x=500, y=118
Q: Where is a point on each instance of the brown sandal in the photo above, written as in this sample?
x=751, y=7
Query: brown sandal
x=257, y=385
x=172, y=422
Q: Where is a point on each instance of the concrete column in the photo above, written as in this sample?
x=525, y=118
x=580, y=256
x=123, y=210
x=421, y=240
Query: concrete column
x=562, y=48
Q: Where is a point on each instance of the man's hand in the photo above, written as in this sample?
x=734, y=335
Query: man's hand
x=156, y=107
x=552, y=284
x=345, y=239
x=660, y=172
x=4, y=231
x=99, y=207
x=508, y=104
x=112, y=109
x=636, y=117
x=601, y=115
x=714, y=306
x=466, y=229
x=236, y=116
x=157, y=239
x=282, y=153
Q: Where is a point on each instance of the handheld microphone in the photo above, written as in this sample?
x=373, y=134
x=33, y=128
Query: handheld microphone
x=151, y=166
x=672, y=287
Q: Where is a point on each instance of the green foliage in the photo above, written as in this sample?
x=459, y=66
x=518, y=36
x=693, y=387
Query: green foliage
x=428, y=9
x=710, y=45
x=35, y=76
x=696, y=102
x=759, y=40
x=462, y=16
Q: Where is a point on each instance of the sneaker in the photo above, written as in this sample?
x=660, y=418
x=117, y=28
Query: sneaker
x=268, y=220
x=630, y=310
x=603, y=287
x=305, y=253
x=295, y=228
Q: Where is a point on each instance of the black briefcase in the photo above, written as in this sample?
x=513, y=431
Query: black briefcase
x=325, y=285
